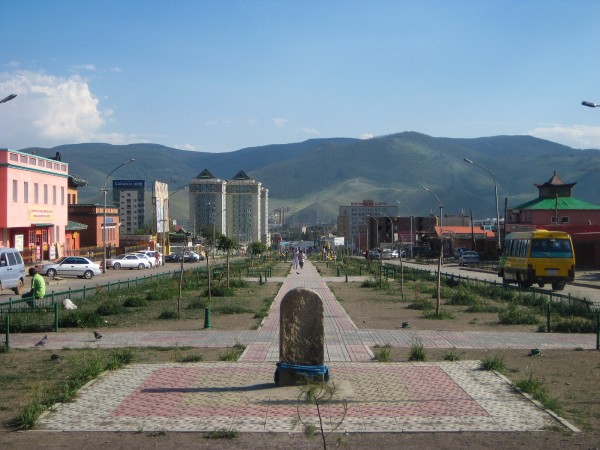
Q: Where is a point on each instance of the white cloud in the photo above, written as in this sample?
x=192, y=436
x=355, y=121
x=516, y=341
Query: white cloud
x=51, y=110
x=280, y=122
x=366, y=136
x=89, y=67
x=311, y=131
x=576, y=136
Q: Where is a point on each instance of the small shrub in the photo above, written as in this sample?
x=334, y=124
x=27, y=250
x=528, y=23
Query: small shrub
x=238, y=283
x=196, y=357
x=493, y=363
x=217, y=291
x=30, y=414
x=132, y=302
x=370, y=283
x=110, y=308
x=233, y=353
x=451, y=355
x=462, y=296
x=4, y=348
x=421, y=305
x=197, y=303
x=482, y=307
x=574, y=325
x=417, y=352
x=80, y=319
x=222, y=433
x=168, y=315
x=514, y=315
x=382, y=353
x=537, y=390
x=441, y=315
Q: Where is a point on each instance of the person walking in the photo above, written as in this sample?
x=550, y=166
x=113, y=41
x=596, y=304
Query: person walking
x=301, y=257
x=295, y=258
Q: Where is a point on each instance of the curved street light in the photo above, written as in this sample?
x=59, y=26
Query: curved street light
x=441, y=256
x=412, y=216
x=165, y=206
x=391, y=225
x=590, y=104
x=8, y=99
x=368, y=226
x=104, y=190
x=496, y=194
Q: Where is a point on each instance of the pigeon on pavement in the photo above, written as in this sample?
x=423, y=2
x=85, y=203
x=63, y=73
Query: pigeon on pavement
x=97, y=335
x=42, y=342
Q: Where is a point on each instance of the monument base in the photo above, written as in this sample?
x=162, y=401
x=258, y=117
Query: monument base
x=294, y=375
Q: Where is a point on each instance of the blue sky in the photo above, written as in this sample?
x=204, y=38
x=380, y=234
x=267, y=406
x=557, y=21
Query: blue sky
x=221, y=75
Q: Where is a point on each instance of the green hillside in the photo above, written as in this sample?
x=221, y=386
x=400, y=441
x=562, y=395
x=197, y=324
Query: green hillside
x=314, y=177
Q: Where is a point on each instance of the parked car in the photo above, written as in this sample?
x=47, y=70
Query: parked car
x=128, y=261
x=192, y=257
x=76, y=266
x=396, y=254
x=468, y=258
x=143, y=255
x=386, y=254
x=12, y=270
x=151, y=254
x=374, y=254
x=459, y=251
x=173, y=257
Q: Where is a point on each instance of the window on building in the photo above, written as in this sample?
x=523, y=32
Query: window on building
x=54, y=195
x=35, y=193
x=26, y=192
x=564, y=219
x=15, y=191
x=44, y=236
x=45, y=194
x=62, y=195
x=31, y=237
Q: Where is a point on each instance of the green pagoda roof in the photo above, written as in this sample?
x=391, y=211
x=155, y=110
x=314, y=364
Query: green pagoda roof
x=563, y=203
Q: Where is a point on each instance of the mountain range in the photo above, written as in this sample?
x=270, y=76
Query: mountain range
x=313, y=178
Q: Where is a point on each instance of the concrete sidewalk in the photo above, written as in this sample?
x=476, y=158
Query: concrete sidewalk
x=241, y=396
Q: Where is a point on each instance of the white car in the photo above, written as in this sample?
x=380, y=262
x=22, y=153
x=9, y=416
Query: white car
x=128, y=261
x=144, y=255
x=76, y=266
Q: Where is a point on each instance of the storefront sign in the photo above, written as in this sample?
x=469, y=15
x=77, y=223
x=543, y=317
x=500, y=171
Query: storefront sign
x=40, y=214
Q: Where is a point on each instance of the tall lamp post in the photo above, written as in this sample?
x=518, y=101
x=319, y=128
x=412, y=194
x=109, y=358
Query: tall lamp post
x=391, y=225
x=215, y=228
x=371, y=217
x=441, y=256
x=166, y=225
x=496, y=193
x=104, y=190
x=584, y=103
x=412, y=216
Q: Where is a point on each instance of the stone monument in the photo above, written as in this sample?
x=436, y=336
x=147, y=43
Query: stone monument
x=301, y=338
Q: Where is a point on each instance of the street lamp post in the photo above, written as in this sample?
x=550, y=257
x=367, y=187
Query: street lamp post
x=496, y=194
x=412, y=216
x=441, y=256
x=8, y=98
x=590, y=104
x=391, y=225
x=166, y=225
x=215, y=229
x=104, y=190
x=368, y=231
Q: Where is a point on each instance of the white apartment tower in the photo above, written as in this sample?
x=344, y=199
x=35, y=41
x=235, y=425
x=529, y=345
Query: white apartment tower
x=237, y=207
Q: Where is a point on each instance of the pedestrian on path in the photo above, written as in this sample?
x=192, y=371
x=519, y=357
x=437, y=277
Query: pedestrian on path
x=301, y=257
x=295, y=257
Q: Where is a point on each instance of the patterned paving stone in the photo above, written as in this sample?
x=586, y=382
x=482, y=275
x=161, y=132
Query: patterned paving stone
x=241, y=396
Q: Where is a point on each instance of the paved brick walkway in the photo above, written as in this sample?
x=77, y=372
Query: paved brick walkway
x=442, y=396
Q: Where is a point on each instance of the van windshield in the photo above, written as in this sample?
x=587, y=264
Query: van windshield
x=551, y=248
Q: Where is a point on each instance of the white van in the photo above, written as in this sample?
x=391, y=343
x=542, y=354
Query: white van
x=12, y=270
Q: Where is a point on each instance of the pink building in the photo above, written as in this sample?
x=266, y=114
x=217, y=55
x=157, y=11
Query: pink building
x=33, y=204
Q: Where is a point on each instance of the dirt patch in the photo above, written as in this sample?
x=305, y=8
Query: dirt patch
x=373, y=308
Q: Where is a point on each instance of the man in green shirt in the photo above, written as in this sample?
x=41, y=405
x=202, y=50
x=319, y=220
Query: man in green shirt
x=38, y=287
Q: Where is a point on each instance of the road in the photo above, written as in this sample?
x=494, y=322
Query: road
x=111, y=275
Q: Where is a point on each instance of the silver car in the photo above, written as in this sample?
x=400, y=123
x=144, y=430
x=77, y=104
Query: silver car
x=69, y=266
x=128, y=261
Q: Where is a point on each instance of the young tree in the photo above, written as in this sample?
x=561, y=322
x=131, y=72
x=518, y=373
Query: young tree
x=226, y=245
x=256, y=248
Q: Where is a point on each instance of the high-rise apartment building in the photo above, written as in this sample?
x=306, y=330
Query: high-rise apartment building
x=128, y=196
x=237, y=207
